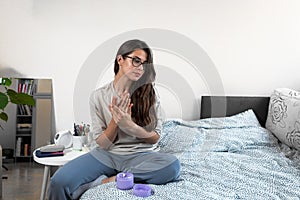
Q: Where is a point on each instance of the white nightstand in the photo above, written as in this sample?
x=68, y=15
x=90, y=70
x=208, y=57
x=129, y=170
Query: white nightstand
x=69, y=154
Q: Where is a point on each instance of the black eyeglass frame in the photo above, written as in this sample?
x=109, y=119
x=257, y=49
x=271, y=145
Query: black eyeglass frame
x=136, y=59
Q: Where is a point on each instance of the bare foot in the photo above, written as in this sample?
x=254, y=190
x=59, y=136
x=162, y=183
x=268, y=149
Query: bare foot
x=109, y=179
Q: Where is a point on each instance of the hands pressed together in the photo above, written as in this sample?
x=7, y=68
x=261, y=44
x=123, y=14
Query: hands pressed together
x=121, y=114
x=121, y=111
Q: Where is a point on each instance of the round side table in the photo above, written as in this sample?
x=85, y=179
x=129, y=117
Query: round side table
x=69, y=154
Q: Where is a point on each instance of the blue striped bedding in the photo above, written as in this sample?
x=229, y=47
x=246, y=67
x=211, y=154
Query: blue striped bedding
x=221, y=158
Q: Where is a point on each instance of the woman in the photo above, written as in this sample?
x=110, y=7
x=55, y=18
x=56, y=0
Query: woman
x=126, y=126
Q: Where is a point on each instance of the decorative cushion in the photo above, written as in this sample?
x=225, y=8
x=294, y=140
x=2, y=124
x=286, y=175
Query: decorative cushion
x=284, y=116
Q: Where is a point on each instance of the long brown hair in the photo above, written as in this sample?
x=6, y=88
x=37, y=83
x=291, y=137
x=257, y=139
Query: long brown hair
x=142, y=92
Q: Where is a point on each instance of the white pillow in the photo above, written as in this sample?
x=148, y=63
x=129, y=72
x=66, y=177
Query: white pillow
x=284, y=116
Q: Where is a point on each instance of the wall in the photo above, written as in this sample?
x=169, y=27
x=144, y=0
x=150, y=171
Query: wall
x=253, y=44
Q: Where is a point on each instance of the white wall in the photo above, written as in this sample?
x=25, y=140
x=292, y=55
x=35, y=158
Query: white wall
x=254, y=44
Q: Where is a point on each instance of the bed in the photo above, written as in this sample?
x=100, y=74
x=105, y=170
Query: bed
x=225, y=154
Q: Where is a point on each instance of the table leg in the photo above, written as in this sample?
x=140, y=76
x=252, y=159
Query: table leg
x=45, y=182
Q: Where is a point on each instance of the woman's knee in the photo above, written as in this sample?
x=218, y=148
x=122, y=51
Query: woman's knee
x=174, y=170
x=58, y=182
x=165, y=175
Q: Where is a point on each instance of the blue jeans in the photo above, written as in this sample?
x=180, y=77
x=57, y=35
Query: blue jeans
x=70, y=178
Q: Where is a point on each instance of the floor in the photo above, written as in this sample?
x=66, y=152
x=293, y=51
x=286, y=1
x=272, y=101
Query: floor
x=24, y=181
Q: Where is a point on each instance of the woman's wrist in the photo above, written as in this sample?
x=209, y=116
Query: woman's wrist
x=105, y=140
x=138, y=131
x=113, y=124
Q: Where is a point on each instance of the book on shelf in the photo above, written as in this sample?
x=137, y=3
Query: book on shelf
x=22, y=149
x=26, y=150
x=24, y=126
x=21, y=110
x=28, y=109
x=24, y=110
x=18, y=147
x=26, y=86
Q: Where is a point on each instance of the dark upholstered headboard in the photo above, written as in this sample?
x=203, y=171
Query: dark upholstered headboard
x=221, y=106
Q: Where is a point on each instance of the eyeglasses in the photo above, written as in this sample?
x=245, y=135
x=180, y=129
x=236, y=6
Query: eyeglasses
x=136, y=61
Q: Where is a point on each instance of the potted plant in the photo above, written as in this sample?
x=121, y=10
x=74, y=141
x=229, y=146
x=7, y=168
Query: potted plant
x=9, y=95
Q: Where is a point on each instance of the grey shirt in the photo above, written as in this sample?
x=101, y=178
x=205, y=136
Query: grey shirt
x=125, y=144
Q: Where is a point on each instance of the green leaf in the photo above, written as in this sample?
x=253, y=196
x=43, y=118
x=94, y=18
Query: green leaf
x=3, y=100
x=3, y=116
x=5, y=81
x=20, y=98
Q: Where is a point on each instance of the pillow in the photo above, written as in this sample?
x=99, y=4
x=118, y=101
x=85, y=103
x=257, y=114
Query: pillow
x=284, y=116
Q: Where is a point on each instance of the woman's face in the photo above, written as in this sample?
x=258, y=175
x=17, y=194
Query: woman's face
x=132, y=65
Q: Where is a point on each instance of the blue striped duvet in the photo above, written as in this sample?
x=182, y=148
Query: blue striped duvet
x=221, y=158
